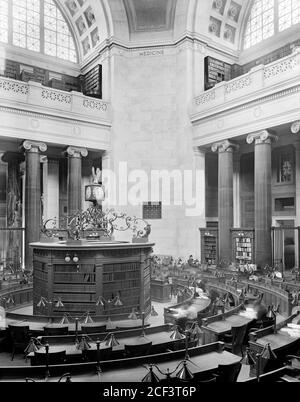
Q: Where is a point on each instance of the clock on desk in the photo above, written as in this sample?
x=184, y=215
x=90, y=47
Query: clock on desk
x=94, y=193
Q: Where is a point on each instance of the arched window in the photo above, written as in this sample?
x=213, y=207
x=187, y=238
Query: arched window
x=36, y=25
x=268, y=17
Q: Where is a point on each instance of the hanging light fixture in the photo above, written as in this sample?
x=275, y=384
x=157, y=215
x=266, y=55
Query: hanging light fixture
x=59, y=303
x=132, y=315
x=151, y=376
x=109, y=324
x=100, y=302
x=88, y=319
x=153, y=313
x=33, y=346
x=184, y=374
x=64, y=320
x=83, y=344
x=112, y=341
x=176, y=334
x=118, y=302
x=41, y=303
x=248, y=359
x=196, y=332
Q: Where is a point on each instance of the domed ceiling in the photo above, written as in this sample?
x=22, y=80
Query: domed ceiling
x=150, y=15
x=95, y=21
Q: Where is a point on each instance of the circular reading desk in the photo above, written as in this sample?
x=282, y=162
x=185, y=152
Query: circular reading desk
x=101, y=278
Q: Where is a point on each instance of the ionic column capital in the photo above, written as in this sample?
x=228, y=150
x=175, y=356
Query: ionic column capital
x=77, y=152
x=198, y=151
x=224, y=146
x=295, y=127
x=262, y=137
x=34, y=146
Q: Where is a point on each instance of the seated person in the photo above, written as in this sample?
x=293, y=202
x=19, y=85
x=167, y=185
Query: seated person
x=261, y=321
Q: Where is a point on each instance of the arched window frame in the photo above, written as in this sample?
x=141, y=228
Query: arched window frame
x=42, y=29
x=276, y=23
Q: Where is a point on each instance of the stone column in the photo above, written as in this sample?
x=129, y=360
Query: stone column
x=199, y=219
x=262, y=195
x=14, y=188
x=295, y=129
x=236, y=190
x=51, y=188
x=75, y=156
x=14, y=245
x=225, y=150
x=32, y=196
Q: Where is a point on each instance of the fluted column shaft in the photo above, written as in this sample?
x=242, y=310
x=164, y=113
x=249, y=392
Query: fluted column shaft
x=263, y=195
x=225, y=198
x=74, y=178
x=32, y=196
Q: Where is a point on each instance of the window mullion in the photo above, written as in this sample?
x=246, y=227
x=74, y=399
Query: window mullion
x=276, y=17
x=10, y=21
x=42, y=39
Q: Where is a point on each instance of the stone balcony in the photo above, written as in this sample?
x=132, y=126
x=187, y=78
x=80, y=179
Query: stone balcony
x=244, y=104
x=52, y=115
x=33, y=94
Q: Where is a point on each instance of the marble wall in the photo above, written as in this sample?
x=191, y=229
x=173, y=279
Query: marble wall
x=151, y=90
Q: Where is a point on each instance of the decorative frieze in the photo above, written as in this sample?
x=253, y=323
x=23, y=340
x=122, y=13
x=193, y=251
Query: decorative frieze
x=238, y=84
x=14, y=86
x=283, y=66
x=93, y=104
x=206, y=97
x=56, y=96
x=261, y=137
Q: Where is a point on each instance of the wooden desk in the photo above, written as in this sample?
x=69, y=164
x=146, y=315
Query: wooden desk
x=278, y=341
x=39, y=326
x=206, y=362
x=214, y=329
x=158, y=339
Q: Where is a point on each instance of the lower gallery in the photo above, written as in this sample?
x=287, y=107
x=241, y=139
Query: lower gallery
x=150, y=193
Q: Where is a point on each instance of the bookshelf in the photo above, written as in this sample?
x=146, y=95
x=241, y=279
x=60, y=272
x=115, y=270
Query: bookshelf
x=92, y=82
x=107, y=271
x=216, y=71
x=209, y=246
x=243, y=246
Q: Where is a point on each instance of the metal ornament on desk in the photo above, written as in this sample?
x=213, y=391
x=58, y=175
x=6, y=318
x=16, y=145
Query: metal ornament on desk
x=95, y=192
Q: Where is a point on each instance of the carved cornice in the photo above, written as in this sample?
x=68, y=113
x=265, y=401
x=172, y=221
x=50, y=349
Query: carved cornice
x=76, y=152
x=261, y=137
x=295, y=128
x=34, y=146
x=224, y=146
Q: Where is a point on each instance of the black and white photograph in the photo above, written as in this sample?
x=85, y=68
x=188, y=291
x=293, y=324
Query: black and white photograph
x=149, y=195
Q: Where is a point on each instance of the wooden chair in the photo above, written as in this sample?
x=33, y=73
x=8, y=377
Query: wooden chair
x=56, y=331
x=54, y=358
x=3, y=339
x=228, y=373
x=137, y=350
x=105, y=354
x=93, y=329
x=294, y=361
x=20, y=337
x=234, y=341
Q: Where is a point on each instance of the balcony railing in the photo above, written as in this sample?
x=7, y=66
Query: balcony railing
x=262, y=80
x=23, y=95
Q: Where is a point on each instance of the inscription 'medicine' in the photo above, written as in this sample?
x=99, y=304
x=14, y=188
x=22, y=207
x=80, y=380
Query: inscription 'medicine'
x=152, y=53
